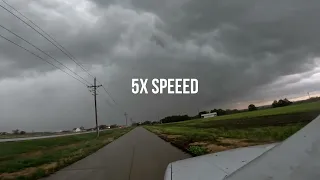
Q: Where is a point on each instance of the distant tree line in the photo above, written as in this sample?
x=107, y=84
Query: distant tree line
x=175, y=118
x=114, y=126
x=136, y=124
x=17, y=131
x=221, y=112
x=281, y=103
x=179, y=118
x=148, y=123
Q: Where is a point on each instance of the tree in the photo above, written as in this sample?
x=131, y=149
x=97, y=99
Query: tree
x=275, y=104
x=15, y=131
x=103, y=127
x=228, y=111
x=81, y=128
x=22, y=132
x=202, y=112
x=175, y=118
x=281, y=103
x=287, y=102
x=113, y=126
x=214, y=110
x=252, y=107
x=235, y=111
x=221, y=112
x=135, y=124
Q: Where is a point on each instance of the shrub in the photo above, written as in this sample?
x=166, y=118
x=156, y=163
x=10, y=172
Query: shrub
x=197, y=150
x=252, y=107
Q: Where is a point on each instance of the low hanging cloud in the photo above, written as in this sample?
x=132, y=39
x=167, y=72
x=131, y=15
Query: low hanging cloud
x=239, y=52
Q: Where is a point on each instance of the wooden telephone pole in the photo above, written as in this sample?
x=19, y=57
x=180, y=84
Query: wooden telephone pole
x=94, y=93
x=125, y=114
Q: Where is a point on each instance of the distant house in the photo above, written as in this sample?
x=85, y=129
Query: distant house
x=77, y=130
x=208, y=115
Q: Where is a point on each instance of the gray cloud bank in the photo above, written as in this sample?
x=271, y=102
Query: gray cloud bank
x=239, y=51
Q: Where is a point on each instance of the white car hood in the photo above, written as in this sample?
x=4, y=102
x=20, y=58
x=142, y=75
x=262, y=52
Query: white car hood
x=214, y=166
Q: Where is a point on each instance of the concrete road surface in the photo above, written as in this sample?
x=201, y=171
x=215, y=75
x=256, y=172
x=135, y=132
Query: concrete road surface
x=138, y=155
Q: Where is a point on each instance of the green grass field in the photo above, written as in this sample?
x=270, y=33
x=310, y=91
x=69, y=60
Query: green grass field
x=299, y=108
x=220, y=133
x=32, y=159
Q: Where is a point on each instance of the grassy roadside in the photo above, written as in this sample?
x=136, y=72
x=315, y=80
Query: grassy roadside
x=203, y=136
x=37, y=158
x=199, y=141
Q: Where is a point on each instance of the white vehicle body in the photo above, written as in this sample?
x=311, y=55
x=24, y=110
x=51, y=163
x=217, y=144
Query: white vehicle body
x=296, y=158
x=209, y=115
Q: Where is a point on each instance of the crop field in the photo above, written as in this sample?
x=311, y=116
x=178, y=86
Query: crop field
x=32, y=159
x=202, y=136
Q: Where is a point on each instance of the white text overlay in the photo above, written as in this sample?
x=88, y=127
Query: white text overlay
x=169, y=86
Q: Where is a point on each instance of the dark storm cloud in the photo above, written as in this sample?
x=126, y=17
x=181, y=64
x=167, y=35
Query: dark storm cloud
x=233, y=48
x=254, y=43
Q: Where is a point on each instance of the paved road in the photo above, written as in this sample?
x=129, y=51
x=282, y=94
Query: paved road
x=138, y=155
x=44, y=137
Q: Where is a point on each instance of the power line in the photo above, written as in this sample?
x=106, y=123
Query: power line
x=112, y=99
x=48, y=36
x=57, y=45
x=118, y=108
x=62, y=49
x=43, y=52
x=42, y=59
x=113, y=106
x=40, y=34
x=109, y=95
x=53, y=42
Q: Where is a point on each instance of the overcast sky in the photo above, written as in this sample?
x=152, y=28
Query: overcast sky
x=240, y=51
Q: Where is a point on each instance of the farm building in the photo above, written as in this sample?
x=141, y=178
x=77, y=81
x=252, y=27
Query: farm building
x=77, y=130
x=209, y=115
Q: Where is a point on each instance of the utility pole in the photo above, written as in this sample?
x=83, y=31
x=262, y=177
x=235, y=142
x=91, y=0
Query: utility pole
x=125, y=114
x=94, y=90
